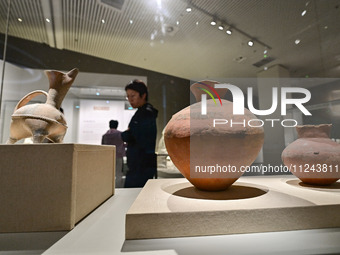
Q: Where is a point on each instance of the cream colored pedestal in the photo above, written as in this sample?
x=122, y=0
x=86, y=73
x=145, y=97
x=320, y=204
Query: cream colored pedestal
x=174, y=208
x=49, y=187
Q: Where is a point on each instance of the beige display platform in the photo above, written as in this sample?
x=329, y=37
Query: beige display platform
x=50, y=187
x=174, y=208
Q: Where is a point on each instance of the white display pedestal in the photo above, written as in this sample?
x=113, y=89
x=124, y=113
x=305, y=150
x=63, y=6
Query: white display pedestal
x=103, y=232
x=174, y=208
x=51, y=187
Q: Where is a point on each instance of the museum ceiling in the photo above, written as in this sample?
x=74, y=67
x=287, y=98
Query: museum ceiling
x=166, y=37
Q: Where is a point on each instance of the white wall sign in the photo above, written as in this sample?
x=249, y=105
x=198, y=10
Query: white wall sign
x=94, y=117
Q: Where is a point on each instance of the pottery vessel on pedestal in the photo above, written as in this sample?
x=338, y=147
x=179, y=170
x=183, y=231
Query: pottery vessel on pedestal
x=314, y=158
x=194, y=144
x=44, y=122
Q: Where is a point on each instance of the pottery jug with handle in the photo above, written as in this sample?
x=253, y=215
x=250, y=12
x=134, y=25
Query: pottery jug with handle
x=43, y=122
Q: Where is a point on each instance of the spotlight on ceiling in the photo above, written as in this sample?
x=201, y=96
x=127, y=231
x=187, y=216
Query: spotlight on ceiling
x=250, y=43
x=213, y=23
x=228, y=31
x=188, y=9
x=221, y=27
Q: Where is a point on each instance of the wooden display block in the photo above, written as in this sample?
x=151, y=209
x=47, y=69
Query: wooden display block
x=174, y=208
x=51, y=187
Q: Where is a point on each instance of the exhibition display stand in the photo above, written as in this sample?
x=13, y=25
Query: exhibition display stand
x=174, y=208
x=103, y=232
x=51, y=187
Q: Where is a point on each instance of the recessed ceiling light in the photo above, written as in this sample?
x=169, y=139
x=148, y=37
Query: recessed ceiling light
x=196, y=23
x=265, y=68
x=48, y=20
x=97, y=93
x=213, y=23
x=297, y=41
x=103, y=21
x=220, y=27
x=325, y=27
x=19, y=19
x=159, y=4
x=177, y=22
x=188, y=9
x=131, y=21
x=303, y=13
x=250, y=43
x=228, y=31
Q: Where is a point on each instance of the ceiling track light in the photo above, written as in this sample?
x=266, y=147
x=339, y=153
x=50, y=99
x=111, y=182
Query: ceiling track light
x=225, y=25
x=188, y=9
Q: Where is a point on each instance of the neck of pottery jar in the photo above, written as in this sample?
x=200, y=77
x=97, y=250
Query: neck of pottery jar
x=314, y=131
x=55, y=98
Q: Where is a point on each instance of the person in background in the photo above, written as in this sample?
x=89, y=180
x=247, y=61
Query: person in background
x=140, y=137
x=113, y=137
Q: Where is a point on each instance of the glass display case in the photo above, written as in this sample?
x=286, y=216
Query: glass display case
x=280, y=60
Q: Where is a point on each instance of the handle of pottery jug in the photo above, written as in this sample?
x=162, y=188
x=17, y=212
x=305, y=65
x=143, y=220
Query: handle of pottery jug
x=29, y=97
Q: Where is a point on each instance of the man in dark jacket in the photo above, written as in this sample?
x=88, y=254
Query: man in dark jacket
x=140, y=137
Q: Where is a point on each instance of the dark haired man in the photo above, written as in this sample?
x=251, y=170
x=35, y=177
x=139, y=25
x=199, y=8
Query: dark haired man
x=140, y=137
x=113, y=137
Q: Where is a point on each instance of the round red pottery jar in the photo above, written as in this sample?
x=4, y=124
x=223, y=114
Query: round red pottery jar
x=314, y=158
x=193, y=142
